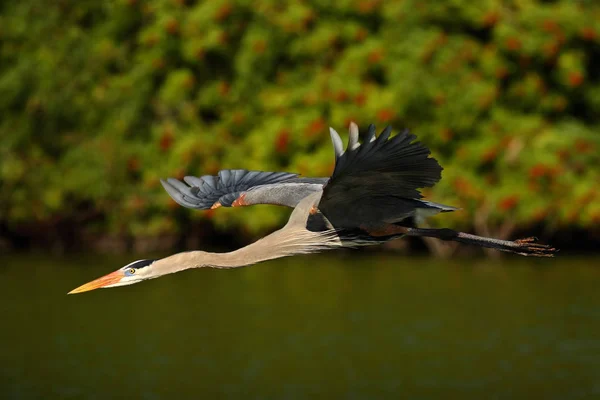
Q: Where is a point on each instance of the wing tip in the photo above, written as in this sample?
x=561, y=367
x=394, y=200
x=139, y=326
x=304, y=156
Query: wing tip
x=338, y=145
x=353, y=136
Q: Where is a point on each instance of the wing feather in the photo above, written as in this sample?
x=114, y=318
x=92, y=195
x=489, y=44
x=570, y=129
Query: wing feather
x=353, y=136
x=338, y=145
x=202, y=192
x=372, y=181
x=377, y=180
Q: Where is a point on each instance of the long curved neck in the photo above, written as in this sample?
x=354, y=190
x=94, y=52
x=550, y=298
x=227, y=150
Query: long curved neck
x=282, y=243
x=292, y=239
x=275, y=245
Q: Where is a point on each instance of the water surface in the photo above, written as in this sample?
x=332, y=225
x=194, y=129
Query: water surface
x=341, y=325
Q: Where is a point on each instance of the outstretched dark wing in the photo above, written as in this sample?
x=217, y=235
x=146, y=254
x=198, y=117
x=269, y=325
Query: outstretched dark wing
x=224, y=188
x=377, y=181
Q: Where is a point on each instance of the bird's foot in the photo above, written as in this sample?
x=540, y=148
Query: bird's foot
x=529, y=247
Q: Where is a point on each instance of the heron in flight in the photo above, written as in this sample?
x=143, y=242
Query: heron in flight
x=372, y=192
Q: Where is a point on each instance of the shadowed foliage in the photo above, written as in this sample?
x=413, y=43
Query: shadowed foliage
x=99, y=100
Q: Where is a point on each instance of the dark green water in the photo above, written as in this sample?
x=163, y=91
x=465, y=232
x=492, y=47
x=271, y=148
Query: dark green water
x=344, y=325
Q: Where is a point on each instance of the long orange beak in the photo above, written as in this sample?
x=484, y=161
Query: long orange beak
x=106, y=280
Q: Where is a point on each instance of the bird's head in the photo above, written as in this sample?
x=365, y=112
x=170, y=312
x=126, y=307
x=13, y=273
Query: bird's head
x=134, y=272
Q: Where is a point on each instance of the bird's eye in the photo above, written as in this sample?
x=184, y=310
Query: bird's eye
x=132, y=271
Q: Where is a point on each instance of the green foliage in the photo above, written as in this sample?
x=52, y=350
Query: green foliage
x=101, y=99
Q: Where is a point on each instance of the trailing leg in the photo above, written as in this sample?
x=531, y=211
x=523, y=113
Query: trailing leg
x=524, y=247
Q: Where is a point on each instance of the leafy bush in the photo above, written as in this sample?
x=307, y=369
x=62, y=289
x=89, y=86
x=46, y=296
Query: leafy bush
x=101, y=99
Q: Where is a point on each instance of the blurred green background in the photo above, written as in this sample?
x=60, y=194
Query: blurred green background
x=98, y=100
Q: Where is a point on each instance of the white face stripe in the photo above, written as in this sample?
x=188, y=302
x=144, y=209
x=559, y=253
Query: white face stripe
x=143, y=263
x=130, y=264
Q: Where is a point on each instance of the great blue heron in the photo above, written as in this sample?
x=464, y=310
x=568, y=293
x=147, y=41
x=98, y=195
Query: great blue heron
x=372, y=191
